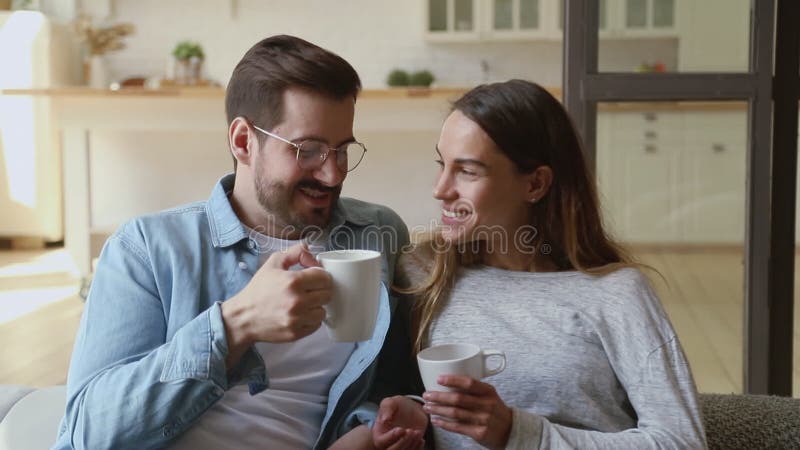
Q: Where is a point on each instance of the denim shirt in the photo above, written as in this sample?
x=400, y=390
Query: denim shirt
x=149, y=357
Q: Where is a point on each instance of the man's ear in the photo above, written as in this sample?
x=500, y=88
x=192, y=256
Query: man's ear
x=242, y=141
x=539, y=182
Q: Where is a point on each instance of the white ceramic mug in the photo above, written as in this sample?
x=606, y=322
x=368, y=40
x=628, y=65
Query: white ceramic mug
x=456, y=359
x=353, y=309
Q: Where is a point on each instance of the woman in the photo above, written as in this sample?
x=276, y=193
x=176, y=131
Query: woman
x=523, y=264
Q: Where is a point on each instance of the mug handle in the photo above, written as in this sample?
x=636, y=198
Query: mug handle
x=317, y=250
x=487, y=372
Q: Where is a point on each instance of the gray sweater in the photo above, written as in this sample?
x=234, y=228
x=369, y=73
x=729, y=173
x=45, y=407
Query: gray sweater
x=593, y=362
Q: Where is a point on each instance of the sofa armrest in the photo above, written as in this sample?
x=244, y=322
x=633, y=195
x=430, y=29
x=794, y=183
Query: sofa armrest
x=751, y=421
x=32, y=421
x=10, y=395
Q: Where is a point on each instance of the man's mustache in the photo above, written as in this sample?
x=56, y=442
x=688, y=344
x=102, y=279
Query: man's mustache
x=319, y=186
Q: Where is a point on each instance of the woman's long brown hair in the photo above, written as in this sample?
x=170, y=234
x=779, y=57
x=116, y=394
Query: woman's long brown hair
x=532, y=129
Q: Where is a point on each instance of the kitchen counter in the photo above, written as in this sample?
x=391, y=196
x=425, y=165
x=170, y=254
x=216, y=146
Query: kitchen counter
x=79, y=112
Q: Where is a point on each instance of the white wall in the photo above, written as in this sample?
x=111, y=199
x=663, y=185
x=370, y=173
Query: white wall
x=373, y=35
x=714, y=35
x=136, y=173
x=398, y=171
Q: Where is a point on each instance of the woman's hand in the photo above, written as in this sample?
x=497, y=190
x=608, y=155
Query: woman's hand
x=400, y=425
x=475, y=410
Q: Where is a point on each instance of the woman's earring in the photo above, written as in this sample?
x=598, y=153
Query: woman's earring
x=533, y=200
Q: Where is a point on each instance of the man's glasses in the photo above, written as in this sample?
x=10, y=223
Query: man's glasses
x=312, y=154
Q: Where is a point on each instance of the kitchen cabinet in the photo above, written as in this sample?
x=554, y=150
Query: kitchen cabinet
x=675, y=176
x=638, y=172
x=620, y=19
x=652, y=16
x=523, y=19
x=500, y=20
x=713, y=166
x=491, y=20
x=452, y=20
x=639, y=19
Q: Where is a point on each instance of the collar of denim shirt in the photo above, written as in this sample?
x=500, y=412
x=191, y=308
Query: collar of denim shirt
x=227, y=229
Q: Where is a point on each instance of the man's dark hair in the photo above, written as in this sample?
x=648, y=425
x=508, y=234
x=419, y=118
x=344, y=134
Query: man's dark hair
x=269, y=68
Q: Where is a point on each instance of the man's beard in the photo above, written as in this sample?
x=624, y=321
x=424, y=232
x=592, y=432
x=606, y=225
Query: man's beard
x=276, y=200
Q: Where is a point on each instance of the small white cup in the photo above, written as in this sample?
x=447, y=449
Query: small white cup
x=353, y=309
x=456, y=359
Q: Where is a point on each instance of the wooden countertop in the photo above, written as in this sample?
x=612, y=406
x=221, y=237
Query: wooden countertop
x=444, y=93
x=649, y=106
x=82, y=91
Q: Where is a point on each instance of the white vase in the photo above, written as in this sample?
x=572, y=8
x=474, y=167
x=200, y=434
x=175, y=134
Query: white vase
x=98, y=72
x=189, y=71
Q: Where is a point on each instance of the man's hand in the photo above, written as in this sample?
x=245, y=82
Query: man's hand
x=400, y=424
x=277, y=305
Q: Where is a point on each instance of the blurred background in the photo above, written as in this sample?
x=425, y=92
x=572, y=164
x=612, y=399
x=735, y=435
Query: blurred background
x=114, y=108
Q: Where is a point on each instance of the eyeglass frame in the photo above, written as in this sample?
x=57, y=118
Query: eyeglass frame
x=328, y=149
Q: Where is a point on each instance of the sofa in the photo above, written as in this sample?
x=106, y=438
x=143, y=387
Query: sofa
x=751, y=421
x=29, y=419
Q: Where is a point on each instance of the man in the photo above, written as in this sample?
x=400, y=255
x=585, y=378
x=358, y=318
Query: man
x=188, y=339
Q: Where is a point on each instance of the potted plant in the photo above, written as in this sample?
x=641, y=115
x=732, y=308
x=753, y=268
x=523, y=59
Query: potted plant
x=98, y=41
x=397, y=78
x=423, y=78
x=189, y=57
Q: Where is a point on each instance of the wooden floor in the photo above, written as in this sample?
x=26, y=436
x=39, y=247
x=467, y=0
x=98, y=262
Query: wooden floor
x=704, y=295
x=39, y=314
x=40, y=311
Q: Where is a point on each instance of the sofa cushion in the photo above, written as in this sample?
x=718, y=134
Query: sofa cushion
x=32, y=422
x=10, y=395
x=751, y=421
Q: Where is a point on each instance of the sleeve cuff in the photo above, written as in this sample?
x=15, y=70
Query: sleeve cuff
x=199, y=350
x=526, y=431
x=364, y=414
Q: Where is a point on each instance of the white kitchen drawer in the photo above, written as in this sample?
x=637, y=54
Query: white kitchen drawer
x=674, y=176
x=707, y=128
x=715, y=118
x=656, y=120
x=719, y=146
x=641, y=138
x=643, y=128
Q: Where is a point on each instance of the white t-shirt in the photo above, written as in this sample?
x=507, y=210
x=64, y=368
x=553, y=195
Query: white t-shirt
x=287, y=415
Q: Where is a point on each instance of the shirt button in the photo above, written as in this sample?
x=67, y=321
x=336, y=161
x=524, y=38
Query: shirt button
x=242, y=265
x=251, y=244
